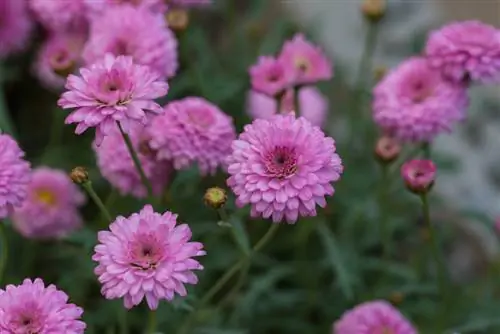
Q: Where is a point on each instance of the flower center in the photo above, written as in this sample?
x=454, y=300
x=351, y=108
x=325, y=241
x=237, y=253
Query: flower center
x=201, y=117
x=62, y=64
x=46, y=197
x=274, y=74
x=27, y=321
x=302, y=64
x=120, y=47
x=281, y=162
x=145, y=252
x=420, y=92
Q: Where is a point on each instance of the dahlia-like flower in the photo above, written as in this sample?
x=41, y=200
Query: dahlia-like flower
x=146, y=255
x=283, y=167
x=135, y=32
x=305, y=61
x=269, y=76
x=15, y=26
x=58, y=57
x=414, y=103
x=419, y=175
x=373, y=317
x=51, y=207
x=313, y=106
x=14, y=175
x=60, y=15
x=192, y=131
x=116, y=164
x=110, y=91
x=96, y=7
x=465, y=51
x=33, y=308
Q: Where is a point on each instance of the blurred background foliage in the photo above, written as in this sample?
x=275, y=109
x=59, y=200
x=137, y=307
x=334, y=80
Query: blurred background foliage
x=311, y=272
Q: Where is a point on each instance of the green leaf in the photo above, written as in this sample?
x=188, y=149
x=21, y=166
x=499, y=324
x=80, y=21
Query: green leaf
x=241, y=234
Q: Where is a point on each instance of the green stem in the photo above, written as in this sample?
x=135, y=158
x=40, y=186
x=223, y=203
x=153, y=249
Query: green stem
x=97, y=200
x=110, y=199
x=152, y=322
x=219, y=284
x=385, y=236
x=123, y=321
x=5, y=251
x=5, y=120
x=137, y=163
x=426, y=150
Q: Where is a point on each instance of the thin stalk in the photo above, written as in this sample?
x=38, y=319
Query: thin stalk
x=152, y=322
x=6, y=123
x=426, y=150
x=123, y=321
x=97, y=200
x=5, y=251
x=137, y=163
x=385, y=236
x=110, y=199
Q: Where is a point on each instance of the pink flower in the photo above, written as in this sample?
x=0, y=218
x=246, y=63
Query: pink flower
x=387, y=149
x=464, y=51
x=96, y=7
x=313, y=106
x=305, y=61
x=269, y=76
x=51, y=207
x=116, y=164
x=15, y=26
x=60, y=15
x=414, y=103
x=110, y=91
x=33, y=308
x=192, y=131
x=283, y=167
x=419, y=175
x=135, y=32
x=146, y=255
x=373, y=317
x=58, y=57
x=190, y=3
x=14, y=176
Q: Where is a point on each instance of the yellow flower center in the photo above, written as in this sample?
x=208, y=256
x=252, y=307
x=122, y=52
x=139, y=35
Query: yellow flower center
x=46, y=197
x=302, y=64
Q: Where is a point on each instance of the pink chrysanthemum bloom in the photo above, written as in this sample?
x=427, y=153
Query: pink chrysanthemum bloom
x=414, y=103
x=313, y=106
x=110, y=91
x=465, y=51
x=146, y=255
x=58, y=57
x=283, y=167
x=15, y=26
x=305, y=61
x=60, y=15
x=135, y=32
x=14, y=175
x=269, y=76
x=373, y=317
x=192, y=131
x=116, y=164
x=419, y=175
x=33, y=308
x=51, y=207
x=96, y=7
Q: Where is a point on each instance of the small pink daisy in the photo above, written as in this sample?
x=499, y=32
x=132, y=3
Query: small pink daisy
x=110, y=91
x=373, y=317
x=34, y=308
x=146, y=255
x=51, y=207
x=414, y=103
x=419, y=175
x=283, y=167
x=192, y=131
x=269, y=76
x=466, y=51
x=15, y=26
x=135, y=32
x=60, y=15
x=14, y=175
x=305, y=61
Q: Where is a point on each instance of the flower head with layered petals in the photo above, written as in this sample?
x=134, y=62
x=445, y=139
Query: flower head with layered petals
x=269, y=76
x=60, y=15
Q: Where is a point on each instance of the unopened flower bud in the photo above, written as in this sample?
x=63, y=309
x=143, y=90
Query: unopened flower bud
x=373, y=10
x=62, y=64
x=387, y=149
x=215, y=197
x=379, y=73
x=396, y=297
x=419, y=175
x=177, y=18
x=79, y=175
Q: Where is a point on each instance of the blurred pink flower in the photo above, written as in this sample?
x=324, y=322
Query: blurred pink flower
x=387, y=149
x=135, y=32
x=464, y=51
x=283, y=167
x=96, y=7
x=189, y=3
x=419, y=175
x=15, y=26
x=60, y=16
x=14, y=175
x=313, y=106
x=110, y=91
x=146, y=255
x=33, y=308
x=116, y=164
x=414, y=103
x=269, y=76
x=305, y=61
x=51, y=207
x=58, y=57
x=192, y=131
x=373, y=317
